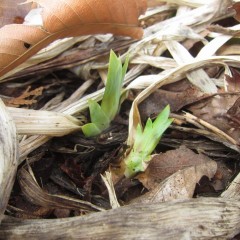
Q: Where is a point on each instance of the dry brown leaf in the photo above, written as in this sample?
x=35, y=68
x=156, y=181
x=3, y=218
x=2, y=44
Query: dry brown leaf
x=177, y=96
x=222, y=111
x=21, y=100
x=165, y=164
x=180, y=185
x=65, y=18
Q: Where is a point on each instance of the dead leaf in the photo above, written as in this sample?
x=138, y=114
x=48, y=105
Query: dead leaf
x=65, y=18
x=180, y=185
x=221, y=111
x=22, y=99
x=107, y=179
x=165, y=164
x=176, y=96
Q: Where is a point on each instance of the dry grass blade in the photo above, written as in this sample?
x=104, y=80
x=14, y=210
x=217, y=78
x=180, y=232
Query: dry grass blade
x=222, y=135
x=107, y=179
x=8, y=156
x=36, y=122
x=38, y=196
x=197, y=77
x=139, y=222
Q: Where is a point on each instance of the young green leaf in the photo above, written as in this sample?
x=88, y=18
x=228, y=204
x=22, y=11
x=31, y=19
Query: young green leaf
x=145, y=142
x=99, y=120
x=112, y=93
x=98, y=116
x=90, y=129
x=101, y=116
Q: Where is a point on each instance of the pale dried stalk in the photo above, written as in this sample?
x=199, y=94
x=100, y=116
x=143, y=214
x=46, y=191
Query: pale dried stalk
x=202, y=218
x=107, y=179
x=8, y=156
x=233, y=191
x=31, y=122
x=198, y=77
x=192, y=119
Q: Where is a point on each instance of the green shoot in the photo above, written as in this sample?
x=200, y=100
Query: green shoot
x=101, y=116
x=145, y=142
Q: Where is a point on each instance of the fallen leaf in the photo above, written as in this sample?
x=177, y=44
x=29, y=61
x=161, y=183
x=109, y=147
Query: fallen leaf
x=66, y=18
x=22, y=99
x=221, y=111
x=180, y=185
x=176, y=96
x=165, y=164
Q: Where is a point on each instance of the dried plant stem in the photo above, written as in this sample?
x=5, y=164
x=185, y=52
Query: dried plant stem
x=8, y=156
x=139, y=222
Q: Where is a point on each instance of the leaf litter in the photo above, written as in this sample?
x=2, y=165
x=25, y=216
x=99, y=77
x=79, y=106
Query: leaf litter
x=186, y=59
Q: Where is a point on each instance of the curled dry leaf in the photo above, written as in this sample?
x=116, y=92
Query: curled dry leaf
x=65, y=18
x=8, y=157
